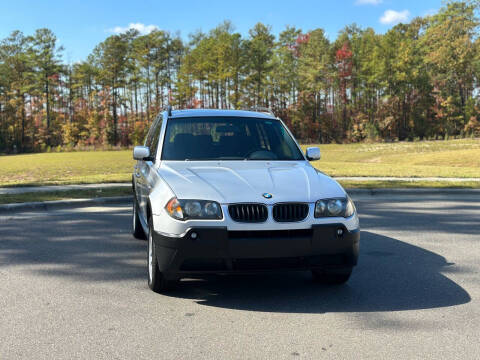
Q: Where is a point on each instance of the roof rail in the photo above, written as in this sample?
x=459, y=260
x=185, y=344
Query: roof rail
x=261, y=109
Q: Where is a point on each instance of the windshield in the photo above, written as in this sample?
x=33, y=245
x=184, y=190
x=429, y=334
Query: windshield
x=228, y=138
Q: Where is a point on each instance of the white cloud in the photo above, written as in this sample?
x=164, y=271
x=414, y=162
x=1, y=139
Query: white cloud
x=141, y=28
x=368, y=2
x=394, y=17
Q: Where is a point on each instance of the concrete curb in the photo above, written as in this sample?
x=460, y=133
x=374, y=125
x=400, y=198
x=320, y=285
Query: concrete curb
x=414, y=191
x=405, y=179
x=62, y=204
x=59, y=188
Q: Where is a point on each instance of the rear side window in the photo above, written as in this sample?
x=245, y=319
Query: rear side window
x=228, y=138
x=153, y=136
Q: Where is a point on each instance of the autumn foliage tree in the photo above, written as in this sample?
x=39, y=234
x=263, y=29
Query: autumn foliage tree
x=417, y=80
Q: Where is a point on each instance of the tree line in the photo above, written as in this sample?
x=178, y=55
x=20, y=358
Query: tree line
x=418, y=80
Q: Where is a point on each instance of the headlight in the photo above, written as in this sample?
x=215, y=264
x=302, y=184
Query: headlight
x=193, y=209
x=334, y=208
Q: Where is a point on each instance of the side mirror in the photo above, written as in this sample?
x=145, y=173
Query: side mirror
x=312, y=153
x=141, y=153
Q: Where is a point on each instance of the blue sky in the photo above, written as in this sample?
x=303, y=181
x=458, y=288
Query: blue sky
x=81, y=24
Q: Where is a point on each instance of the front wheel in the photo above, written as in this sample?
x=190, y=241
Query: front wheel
x=156, y=280
x=332, y=276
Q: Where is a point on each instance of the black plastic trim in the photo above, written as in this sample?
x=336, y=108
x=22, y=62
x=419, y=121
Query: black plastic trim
x=217, y=250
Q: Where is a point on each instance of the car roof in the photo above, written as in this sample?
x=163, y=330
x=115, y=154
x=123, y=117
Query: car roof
x=222, y=113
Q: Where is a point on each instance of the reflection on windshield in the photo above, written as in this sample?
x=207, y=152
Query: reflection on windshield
x=228, y=138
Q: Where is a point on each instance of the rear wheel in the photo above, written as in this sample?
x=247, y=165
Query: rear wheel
x=137, y=229
x=332, y=276
x=156, y=280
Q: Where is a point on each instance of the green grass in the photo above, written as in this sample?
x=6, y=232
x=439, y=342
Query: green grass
x=88, y=167
x=62, y=195
x=452, y=158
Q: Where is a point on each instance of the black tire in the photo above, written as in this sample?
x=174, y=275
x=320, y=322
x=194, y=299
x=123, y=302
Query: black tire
x=332, y=276
x=156, y=280
x=137, y=229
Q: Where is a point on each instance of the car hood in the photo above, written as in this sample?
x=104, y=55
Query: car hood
x=247, y=181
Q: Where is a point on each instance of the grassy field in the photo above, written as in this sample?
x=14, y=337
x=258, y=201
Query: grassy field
x=453, y=158
x=66, y=168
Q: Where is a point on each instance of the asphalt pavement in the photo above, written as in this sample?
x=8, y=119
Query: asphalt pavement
x=73, y=285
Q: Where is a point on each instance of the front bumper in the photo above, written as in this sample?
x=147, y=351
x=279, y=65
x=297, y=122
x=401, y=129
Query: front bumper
x=217, y=250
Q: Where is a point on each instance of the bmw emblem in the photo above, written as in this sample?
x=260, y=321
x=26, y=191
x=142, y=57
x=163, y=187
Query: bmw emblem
x=267, y=195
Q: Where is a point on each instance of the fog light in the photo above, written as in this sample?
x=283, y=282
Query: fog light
x=340, y=232
x=194, y=235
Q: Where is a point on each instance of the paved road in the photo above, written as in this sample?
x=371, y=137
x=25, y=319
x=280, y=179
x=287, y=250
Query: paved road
x=73, y=285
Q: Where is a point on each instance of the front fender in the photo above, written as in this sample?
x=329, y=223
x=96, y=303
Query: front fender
x=159, y=197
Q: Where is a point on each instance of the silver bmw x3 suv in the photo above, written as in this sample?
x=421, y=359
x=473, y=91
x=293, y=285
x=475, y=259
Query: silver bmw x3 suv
x=225, y=191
